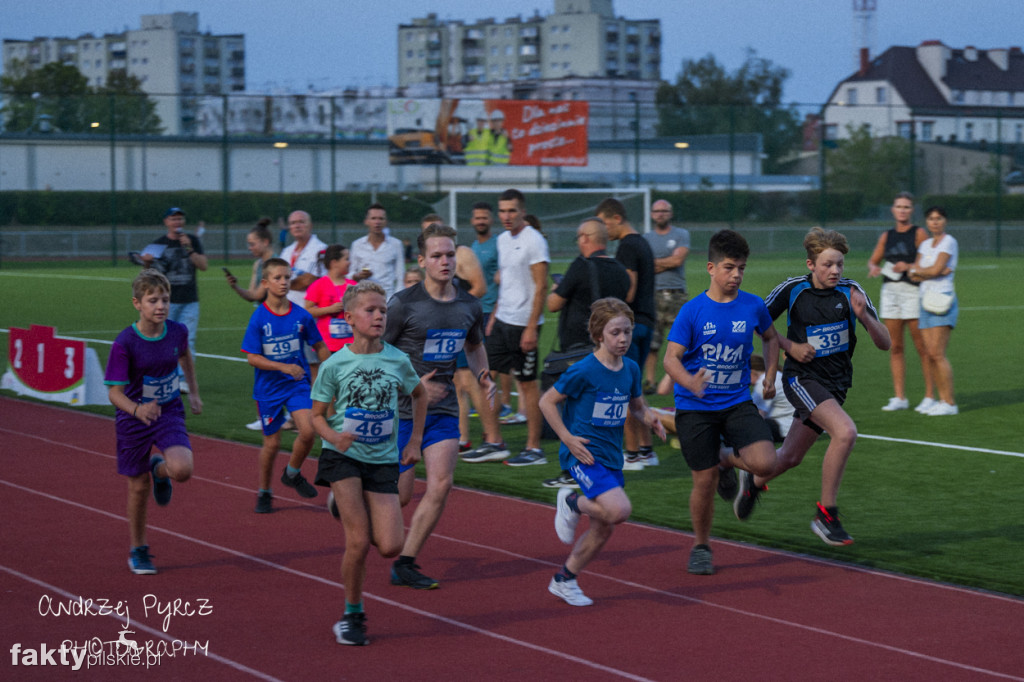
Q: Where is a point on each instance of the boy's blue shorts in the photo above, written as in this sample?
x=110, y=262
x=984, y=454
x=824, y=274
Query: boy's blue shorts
x=596, y=478
x=437, y=428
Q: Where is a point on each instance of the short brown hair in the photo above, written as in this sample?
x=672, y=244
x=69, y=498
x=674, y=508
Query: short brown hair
x=364, y=287
x=817, y=240
x=603, y=311
x=149, y=280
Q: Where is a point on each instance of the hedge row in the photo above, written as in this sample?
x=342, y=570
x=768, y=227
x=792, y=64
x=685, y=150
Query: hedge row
x=147, y=208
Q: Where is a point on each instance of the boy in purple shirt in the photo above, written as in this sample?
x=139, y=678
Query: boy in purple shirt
x=142, y=376
x=274, y=344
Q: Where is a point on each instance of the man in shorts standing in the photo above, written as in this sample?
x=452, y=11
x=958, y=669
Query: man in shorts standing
x=669, y=245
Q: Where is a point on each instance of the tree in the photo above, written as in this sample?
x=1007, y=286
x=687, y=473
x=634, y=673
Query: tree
x=62, y=93
x=707, y=100
x=868, y=165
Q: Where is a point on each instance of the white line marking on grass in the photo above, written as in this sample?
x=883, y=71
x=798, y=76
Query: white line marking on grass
x=50, y=276
x=947, y=446
x=139, y=626
x=514, y=641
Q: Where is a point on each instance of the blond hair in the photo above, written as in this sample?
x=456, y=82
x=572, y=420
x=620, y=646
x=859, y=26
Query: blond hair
x=364, y=287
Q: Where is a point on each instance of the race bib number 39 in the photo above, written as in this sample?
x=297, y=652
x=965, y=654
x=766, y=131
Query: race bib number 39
x=370, y=427
x=161, y=389
x=443, y=345
x=609, y=409
x=829, y=338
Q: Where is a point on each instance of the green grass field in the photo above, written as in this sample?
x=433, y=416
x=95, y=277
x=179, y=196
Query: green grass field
x=933, y=497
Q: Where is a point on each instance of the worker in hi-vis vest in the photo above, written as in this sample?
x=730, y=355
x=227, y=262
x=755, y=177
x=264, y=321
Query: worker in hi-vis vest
x=499, y=147
x=479, y=144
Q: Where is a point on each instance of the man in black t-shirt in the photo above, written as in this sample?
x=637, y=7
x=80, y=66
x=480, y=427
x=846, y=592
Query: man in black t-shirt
x=575, y=293
x=635, y=253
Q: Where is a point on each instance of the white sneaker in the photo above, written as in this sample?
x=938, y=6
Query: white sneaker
x=255, y=426
x=566, y=519
x=632, y=462
x=943, y=410
x=926, y=405
x=570, y=591
x=650, y=459
x=896, y=404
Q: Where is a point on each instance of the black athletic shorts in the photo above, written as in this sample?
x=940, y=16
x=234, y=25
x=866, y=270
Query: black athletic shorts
x=376, y=478
x=701, y=432
x=805, y=395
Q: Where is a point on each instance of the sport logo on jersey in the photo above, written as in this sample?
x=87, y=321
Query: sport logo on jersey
x=739, y=326
x=709, y=329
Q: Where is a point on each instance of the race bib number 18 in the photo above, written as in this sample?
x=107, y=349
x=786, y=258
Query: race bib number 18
x=443, y=345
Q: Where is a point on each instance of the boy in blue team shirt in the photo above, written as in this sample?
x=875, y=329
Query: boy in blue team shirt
x=708, y=358
x=273, y=343
x=598, y=390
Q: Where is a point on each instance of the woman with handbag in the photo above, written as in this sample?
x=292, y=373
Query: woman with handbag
x=934, y=268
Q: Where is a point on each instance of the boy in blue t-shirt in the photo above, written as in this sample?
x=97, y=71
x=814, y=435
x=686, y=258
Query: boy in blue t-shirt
x=274, y=345
x=708, y=358
x=599, y=391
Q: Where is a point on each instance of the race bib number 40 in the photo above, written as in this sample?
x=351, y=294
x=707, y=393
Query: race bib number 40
x=370, y=427
x=443, y=345
x=609, y=409
x=829, y=338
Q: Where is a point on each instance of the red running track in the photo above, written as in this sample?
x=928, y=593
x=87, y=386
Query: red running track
x=262, y=591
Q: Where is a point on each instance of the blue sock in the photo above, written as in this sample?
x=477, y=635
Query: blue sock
x=292, y=471
x=353, y=608
x=573, y=502
x=264, y=490
x=564, y=574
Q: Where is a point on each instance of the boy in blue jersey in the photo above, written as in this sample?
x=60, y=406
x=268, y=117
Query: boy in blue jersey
x=708, y=358
x=360, y=457
x=274, y=345
x=598, y=390
x=822, y=309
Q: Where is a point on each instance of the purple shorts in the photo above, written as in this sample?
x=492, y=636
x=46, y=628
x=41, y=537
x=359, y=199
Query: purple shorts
x=135, y=440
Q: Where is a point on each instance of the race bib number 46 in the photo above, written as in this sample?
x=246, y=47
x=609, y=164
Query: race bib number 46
x=443, y=345
x=370, y=427
x=829, y=338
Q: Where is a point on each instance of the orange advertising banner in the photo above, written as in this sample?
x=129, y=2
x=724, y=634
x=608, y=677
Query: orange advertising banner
x=493, y=132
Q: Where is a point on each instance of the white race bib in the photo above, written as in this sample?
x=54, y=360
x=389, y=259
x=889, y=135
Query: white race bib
x=610, y=409
x=443, y=345
x=829, y=338
x=161, y=389
x=370, y=426
x=339, y=328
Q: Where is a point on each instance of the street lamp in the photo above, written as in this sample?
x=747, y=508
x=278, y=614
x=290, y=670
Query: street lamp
x=280, y=147
x=682, y=170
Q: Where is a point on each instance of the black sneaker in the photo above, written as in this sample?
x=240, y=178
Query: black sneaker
x=527, y=458
x=161, y=486
x=488, y=452
x=563, y=480
x=826, y=525
x=728, y=486
x=746, y=496
x=299, y=482
x=351, y=630
x=264, y=503
x=140, y=561
x=700, y=561
x=409, y=575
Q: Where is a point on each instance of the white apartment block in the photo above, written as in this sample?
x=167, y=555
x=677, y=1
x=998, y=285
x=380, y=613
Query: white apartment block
x=174, y=61
x=580, y=39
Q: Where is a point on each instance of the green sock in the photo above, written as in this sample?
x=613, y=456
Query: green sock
x=353, y=608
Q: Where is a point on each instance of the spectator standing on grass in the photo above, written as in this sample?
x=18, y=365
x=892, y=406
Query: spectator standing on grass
x=433, y=322
x=378, y=257
x=143, y=384
x=598, y=390
x=822, y=309
x=708, y=358
x=275, y=343
x=355, y=400
x=182, y=256
x=937, y=259
x=899, y=302
x=325, y=298
x=591, y=276
x=259, y=241
x=514, y=327
x=635, y=253
x=669, y=245
x=304, y=258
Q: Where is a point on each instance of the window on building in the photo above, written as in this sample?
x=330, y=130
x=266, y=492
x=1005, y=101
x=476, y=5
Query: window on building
x=494, y=51
x=851, y=96
x=968, y=132
x=831, y=131
x=508, y=32
x=1018, y=133
x=880, y=95
x=927, y=131
x=958, y=97
x=554, y=48
x=508, y=50
x=905, y=129
x=409, y=54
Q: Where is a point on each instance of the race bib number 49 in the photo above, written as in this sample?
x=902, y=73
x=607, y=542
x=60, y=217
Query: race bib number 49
x=829, y=338
x=443, y=345
x=370, y=427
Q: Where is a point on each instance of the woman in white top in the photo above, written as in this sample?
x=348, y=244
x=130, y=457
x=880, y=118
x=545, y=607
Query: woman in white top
x=934, y=268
